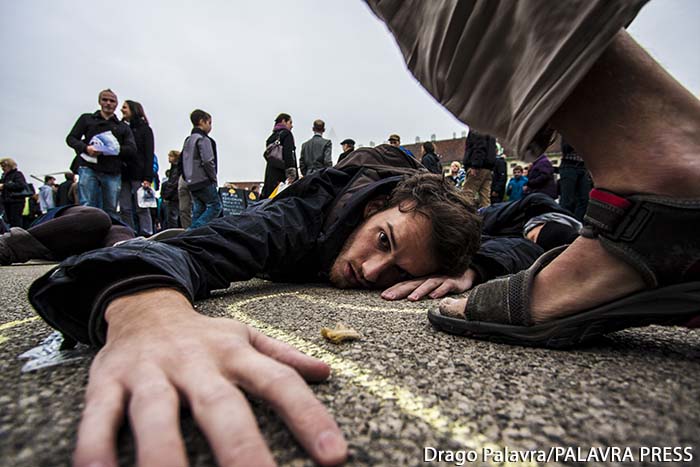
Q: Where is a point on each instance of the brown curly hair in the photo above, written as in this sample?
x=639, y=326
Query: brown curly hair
x=456, y=227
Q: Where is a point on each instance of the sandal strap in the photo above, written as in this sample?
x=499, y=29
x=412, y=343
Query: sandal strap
x=658, y=236
x=506, y=300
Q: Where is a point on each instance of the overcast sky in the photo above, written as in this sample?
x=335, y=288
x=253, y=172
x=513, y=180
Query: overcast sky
x=243, y=62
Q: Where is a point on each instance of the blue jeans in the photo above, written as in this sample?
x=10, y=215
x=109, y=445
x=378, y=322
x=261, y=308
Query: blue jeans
x=206, y=206
x=575, y=185
x=99, y=190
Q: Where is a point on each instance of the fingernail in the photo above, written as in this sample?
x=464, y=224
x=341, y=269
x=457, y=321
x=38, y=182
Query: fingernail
x=388, y=295
x=331, y=443
x=413, y=297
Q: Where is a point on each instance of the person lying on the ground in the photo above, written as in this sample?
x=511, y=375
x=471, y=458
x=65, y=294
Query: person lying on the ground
x=501, y=68
x=72, y=230
x=371, y=222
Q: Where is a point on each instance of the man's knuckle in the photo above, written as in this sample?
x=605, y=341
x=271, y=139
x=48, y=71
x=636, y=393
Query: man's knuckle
x=212, y=395
x=283, y=378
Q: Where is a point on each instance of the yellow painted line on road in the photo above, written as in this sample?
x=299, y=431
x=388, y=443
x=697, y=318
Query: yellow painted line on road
x=329, y=303
x=12, y=324
x=379, y=386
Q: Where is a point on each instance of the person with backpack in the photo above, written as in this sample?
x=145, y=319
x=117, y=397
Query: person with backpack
x=199, y=165
x=281, y=164
x=479, y=160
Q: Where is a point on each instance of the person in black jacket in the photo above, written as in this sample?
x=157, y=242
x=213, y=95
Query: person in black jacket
x=430, y=160
x=101, y=143
x=12, y=184
x=137, y=171
x=371, y=222
x=63, y=196
x=479, y=158
x=499, y=179
x=169, y=192
x=348, y=146
x=286, y=171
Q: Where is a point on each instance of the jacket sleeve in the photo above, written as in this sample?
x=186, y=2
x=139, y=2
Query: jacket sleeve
x=288, y=151
x=276, y=236
x=206, y=152
x=75, y=137
x=327, y=154
x=499, y=256
x=147, y=152
x=302, y=159
x=128, y=143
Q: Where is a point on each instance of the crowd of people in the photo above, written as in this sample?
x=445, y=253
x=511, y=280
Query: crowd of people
x=379, y=220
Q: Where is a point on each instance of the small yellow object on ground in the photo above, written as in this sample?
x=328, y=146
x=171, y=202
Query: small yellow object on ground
x=340, y=333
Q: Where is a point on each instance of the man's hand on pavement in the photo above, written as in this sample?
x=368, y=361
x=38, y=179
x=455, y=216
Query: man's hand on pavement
x=159, y=350
x=433, y=286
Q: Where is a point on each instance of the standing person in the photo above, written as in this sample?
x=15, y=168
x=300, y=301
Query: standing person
x=540, y=178
x=575, y=181
x=137, y=172
x=12, y=184
x=101, y=143
x=457, y=174
x=348, y=146
x=316, y=152
x=169, y=192
x=516, y=184
x=395, y=140
x=199, y=166
x=479, y=159
x=430, y=160
x=46, y=194
x=277, y=172
x=498, y=180
x=63, y=195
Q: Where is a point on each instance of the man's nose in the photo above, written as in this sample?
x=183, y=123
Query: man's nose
x=376, y=270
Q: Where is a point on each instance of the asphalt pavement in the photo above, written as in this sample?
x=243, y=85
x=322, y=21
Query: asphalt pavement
x=403, y=392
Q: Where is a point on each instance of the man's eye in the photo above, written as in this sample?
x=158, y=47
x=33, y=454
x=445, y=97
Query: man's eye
x=384, y=241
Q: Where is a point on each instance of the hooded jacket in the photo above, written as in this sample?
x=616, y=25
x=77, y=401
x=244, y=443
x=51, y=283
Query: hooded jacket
x=293, y=238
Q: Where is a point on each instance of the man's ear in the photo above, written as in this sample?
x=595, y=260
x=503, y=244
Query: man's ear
x=373, y=207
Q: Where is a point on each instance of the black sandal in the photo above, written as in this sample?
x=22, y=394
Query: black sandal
x=629, y=228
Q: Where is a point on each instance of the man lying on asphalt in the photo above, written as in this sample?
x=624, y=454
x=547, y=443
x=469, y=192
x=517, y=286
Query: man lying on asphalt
x=374, y=221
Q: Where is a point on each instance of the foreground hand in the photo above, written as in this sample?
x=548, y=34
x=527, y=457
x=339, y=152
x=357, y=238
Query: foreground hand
x=434, y=286
x=159, y=350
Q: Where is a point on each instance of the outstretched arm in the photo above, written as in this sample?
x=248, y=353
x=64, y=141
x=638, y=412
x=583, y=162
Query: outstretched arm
x=160, y=351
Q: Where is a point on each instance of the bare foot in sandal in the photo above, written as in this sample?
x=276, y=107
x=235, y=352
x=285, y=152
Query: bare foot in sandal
x=655, y=124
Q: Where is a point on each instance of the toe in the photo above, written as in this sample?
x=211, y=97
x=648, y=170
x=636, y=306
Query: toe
x=453, y=307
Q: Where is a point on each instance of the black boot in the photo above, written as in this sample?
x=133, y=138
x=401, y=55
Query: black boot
x=19, y=246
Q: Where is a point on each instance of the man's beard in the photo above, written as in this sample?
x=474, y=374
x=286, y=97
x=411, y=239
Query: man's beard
x=335, y=275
